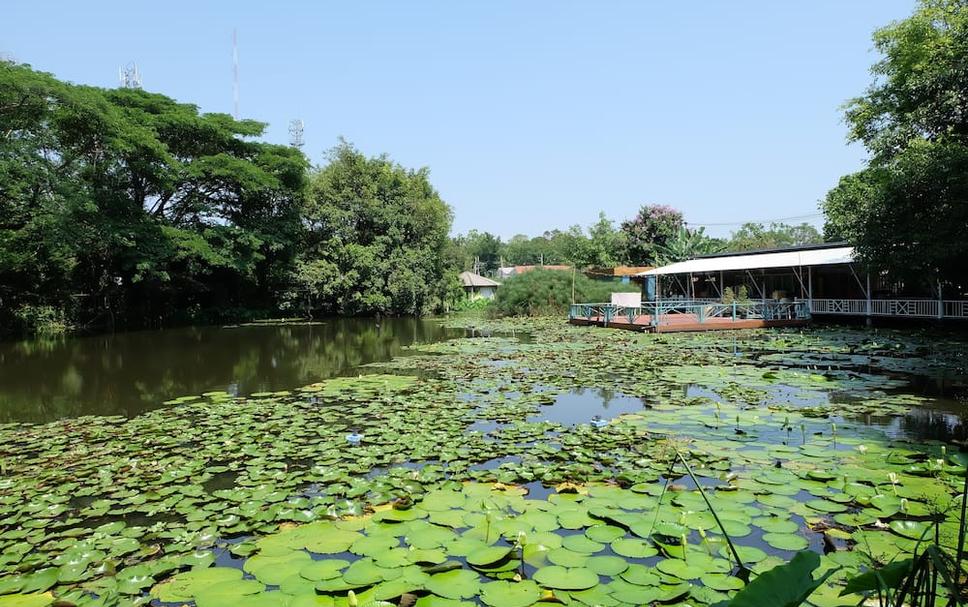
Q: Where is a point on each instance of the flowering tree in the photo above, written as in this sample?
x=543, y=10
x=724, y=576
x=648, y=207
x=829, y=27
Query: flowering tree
x=650, y=230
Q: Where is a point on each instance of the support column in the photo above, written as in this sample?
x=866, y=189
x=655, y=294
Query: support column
x=869, y=309
x=940, y=301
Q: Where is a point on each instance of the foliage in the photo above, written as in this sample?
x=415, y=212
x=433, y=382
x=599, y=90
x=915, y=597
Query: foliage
x=124, y=205
x=648, y=231
x=543, y=292
x=685, y=244
x=786, y=585
x=468, y=304
x=605, y=243
x=751, y=236
x=376, y=234
x=481, y=252
x=906, y=211
x=42, y=320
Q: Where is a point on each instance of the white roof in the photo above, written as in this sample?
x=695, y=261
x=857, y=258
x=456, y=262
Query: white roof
x=756, y=261
x=470, y=279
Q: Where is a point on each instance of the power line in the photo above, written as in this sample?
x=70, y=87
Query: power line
x=737, y=223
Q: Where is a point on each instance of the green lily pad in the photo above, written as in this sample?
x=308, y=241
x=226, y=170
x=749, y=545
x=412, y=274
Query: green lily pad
x=562, y=578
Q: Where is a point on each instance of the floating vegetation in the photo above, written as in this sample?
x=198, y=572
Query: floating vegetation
x=465, y=487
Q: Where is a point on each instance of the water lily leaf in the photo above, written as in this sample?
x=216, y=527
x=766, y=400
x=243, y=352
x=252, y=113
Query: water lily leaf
x=510, y=594
x=274, y=569
x=563, y=578
x=489, y=555
x=183, y=587
x=456, y=584
x=680, y=569
x=606, y=565
x=26, y=600
x=912, y=529
x=323, y=570
x=786, y=541
x=225, y=594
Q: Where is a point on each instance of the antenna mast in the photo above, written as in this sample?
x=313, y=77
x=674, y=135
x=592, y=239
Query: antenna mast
x=235, y=73
x=296, y=133
x=129, y=76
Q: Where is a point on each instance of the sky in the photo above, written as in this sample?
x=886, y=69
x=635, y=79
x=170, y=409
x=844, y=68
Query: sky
x=530, y=115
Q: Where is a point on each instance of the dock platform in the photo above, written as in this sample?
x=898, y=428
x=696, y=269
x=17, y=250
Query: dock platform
x=690, y=316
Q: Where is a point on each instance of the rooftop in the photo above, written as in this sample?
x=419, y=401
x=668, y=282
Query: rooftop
x=470, y=279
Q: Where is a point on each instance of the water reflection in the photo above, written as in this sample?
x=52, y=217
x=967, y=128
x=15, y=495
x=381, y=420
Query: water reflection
x=581, y=405
x=127, y=373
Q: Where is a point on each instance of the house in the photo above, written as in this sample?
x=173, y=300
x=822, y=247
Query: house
x=623, y=274
x=478, y=287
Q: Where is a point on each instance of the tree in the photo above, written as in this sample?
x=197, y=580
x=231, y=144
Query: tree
x=906, y=212
x=686, y=244
x=606, y=244
x=649, y=230
x=376, y=239
x=751, y=236
x=126, y=206
x=484, y=251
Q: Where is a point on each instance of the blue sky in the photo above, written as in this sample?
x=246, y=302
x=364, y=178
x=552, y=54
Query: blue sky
x=531, y=115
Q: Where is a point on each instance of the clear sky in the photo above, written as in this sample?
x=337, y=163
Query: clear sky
x=531, y=115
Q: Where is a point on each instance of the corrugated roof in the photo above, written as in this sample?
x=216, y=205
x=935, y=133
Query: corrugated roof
x=755, y=261
x=470, y=279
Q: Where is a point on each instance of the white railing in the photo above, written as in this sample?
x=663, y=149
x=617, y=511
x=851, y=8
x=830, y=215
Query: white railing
x=908, y=308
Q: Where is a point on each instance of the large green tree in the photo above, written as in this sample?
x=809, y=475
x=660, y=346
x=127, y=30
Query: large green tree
x=376, y=239
x=908, y=210
x=126, y=206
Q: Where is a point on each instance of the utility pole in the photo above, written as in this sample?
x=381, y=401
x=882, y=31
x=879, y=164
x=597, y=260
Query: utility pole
x=235, y=73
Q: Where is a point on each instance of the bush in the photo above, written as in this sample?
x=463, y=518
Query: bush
x=548, y=292
x=43, y=321
x=471, y=305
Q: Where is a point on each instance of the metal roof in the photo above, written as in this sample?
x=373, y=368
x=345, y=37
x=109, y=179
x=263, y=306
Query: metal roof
x=755, y=261
x=470, y=279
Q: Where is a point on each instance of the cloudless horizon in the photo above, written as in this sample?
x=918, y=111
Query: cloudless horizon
x=530, y=116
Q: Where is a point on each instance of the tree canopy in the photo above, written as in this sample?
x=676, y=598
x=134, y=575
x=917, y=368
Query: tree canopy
x=124, y=207
x=376, y=236
x=126, y=204
x=907, y=210
x=751, y=236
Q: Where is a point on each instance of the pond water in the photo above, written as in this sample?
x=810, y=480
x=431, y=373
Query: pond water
x=838, y=442
x=129, y=373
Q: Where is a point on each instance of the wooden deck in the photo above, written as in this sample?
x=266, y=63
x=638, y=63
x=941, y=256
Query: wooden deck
x=681, y=323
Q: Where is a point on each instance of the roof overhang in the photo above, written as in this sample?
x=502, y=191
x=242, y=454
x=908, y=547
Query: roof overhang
x=758, y=261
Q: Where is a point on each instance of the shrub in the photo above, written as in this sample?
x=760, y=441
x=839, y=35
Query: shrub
x=548, y=292
x=471, y=305
x=44, y=321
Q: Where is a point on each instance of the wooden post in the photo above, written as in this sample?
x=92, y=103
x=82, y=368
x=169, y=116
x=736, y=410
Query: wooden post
x=940, y=300
x=869, y=309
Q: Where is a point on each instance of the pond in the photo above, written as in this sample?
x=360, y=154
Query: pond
x=480, y=479
x=129, y=373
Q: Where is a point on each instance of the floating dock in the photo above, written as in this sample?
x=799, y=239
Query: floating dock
x=691, y=316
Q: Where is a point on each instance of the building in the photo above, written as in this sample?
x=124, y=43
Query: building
x=827, y=276
x=477, y=286
x=623, y=274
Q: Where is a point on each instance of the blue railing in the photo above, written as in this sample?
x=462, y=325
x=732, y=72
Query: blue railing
x=661, y=312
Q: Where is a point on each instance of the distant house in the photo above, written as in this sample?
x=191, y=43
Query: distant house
x=509, y=271
x=478, y=287
x=623, y=273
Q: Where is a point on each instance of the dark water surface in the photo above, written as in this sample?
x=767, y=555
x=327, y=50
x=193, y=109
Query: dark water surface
x=128, y=373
